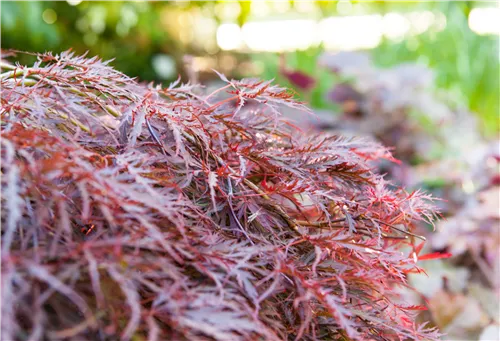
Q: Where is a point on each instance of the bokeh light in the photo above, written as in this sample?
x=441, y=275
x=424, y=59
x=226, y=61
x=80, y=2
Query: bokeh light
x=485, y=20
x=49, y=16
x=74, y=2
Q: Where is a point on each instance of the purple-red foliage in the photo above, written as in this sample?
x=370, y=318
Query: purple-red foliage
x=297, y=78
x=148, y=213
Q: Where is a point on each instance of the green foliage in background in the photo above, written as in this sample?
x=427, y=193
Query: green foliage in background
x=464, y=63
x=126, y=31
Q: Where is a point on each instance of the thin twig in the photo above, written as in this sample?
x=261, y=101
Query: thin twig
x=323, y=223
x=398, y=229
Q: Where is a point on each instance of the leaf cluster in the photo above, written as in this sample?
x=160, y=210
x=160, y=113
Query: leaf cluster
x=138, y=212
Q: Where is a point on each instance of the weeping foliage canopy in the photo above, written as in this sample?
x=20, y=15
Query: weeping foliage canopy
x=139, y=212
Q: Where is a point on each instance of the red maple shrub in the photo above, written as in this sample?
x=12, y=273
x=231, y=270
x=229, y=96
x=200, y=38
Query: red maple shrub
x=139, y=212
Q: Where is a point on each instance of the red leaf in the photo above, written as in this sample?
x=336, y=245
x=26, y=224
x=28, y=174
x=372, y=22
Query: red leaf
x=300, y=79
x=435, y=255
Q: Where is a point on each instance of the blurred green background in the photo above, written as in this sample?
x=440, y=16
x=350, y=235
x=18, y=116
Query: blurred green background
x=457, y=40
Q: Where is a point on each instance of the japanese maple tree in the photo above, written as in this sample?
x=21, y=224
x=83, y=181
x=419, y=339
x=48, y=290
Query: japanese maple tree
x=140, y=212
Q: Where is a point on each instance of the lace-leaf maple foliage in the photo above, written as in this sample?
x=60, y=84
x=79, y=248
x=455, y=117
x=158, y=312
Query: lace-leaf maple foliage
x=138, y=212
